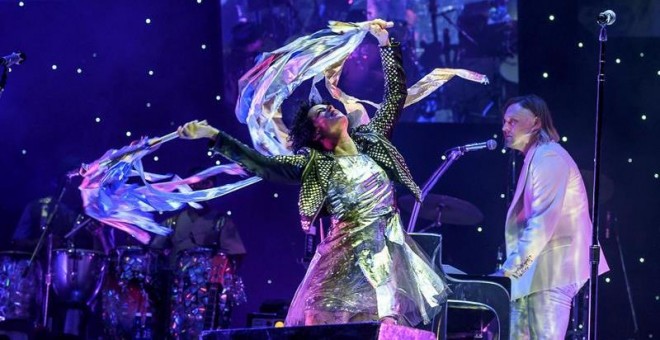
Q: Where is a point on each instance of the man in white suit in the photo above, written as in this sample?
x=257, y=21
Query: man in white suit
x=548, y=227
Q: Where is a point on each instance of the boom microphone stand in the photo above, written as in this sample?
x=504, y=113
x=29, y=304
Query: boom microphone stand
x=604, y=19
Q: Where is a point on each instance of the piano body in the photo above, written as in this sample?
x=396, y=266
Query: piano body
x=477, y=307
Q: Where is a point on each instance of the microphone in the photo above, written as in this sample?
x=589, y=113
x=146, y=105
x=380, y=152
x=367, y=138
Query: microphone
x=14, y=58
x=606, y=18
x=490, y=144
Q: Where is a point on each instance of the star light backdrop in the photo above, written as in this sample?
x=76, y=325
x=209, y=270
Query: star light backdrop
x=101, y=74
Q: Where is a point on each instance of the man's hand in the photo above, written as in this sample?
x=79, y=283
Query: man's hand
x=378, y=28
x=196, y=130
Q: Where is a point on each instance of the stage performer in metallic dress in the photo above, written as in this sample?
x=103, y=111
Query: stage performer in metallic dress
x=367, y=268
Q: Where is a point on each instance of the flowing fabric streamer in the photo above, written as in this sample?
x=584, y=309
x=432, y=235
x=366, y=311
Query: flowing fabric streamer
x=109, y=197
x=319, y=55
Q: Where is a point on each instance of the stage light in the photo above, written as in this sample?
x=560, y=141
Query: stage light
x=278, y=324
x=228, y=212
x=580, y=45
x=79, y=70
x=156, y=158
x=629, y=160
x=643, y=117
x=607, y=279
x=269, y=281
x=641, y=54
x=217, y=162
x=503, y=150
x=564, y=139
x=203, y=46
x=21, y=4
x=502, y=195
x=545, y=74
x=551, y=17
x=23, y=151
x=148, y=21
x=479, y=229
x=128, y=133
x=494, y=135
x=210, y=153
x=218, y=97
x=617, y=60
x=443, y=157
x=276, y=195
x=97, y=119
x=641, y=260
x=151, y=73
x=54, y=67
x=148, y=104
x=656, y=175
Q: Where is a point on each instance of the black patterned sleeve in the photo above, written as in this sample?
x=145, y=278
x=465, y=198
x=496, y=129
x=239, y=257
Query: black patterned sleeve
x=284, y=169
x=395, y=90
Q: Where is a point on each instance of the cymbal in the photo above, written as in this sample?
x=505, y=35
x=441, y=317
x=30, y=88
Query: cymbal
x=606, y=189
x=452, y=210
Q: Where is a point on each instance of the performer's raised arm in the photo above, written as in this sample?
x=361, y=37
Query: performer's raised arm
x=395, y=83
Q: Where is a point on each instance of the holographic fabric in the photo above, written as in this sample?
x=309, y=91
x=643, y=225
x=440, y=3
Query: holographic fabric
x=366, y=265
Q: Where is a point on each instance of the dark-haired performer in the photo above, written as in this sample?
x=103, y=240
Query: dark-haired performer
x=548, y=228
x=367, y=268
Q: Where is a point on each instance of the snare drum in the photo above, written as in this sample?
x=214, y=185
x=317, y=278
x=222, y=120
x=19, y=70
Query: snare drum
x=77, y=274
x=19, y=295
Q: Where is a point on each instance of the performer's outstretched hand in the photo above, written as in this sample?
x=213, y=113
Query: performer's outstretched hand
x=196, y=130
x=378, y=28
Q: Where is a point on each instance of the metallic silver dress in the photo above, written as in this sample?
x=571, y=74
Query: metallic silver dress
x=367, y=265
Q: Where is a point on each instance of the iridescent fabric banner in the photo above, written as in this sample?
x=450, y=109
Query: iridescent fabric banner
x=118, y=192
x=319, y=55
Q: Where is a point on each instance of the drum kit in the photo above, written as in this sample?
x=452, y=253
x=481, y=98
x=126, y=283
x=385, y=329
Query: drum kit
x=130, y=287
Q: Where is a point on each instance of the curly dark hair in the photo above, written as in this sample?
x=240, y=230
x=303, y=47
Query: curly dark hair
x=302, y=131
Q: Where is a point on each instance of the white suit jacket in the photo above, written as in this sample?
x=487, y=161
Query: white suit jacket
x=548, y=227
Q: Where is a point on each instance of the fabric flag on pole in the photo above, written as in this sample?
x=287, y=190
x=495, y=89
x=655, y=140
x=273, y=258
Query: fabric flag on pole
x=320, y=55
x=118, y=192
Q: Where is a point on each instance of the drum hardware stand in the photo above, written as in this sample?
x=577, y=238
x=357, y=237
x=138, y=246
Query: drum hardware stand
x=46, y=230
x=604, y=19
x=430, y=183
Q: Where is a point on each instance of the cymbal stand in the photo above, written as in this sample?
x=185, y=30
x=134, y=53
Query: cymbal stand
x=430, y=183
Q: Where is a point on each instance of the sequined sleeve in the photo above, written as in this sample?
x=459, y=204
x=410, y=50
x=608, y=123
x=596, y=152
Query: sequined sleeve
x=282, y=168
x=395, y=90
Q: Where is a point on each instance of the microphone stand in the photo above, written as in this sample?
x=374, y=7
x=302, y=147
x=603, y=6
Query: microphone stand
x=454, y=155
x=595, y=246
